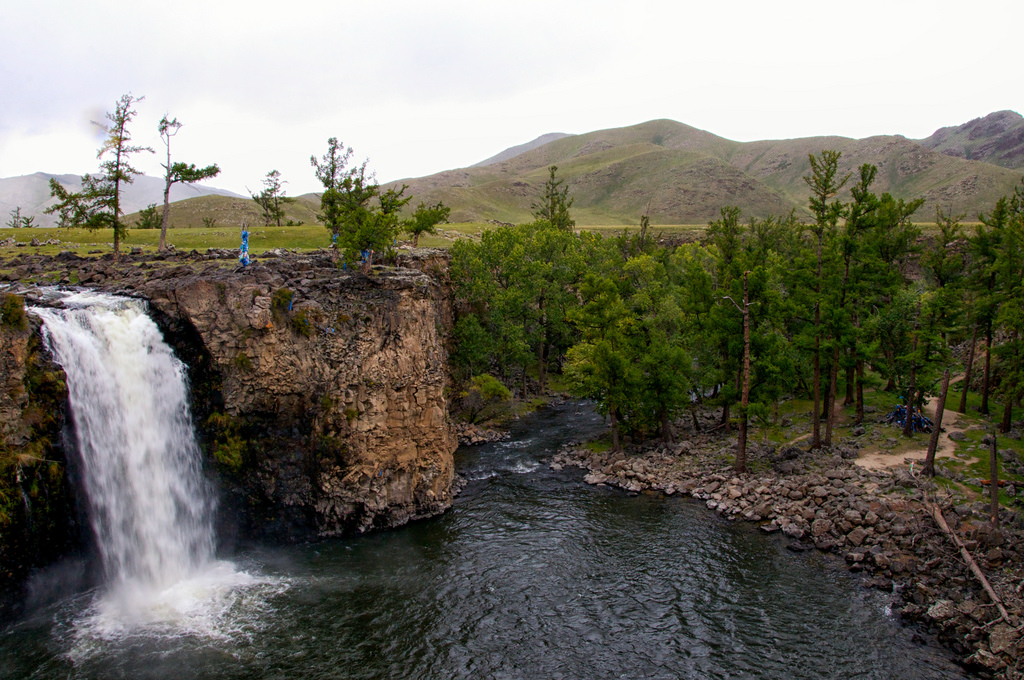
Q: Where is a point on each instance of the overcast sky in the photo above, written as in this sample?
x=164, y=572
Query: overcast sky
x=418, y=87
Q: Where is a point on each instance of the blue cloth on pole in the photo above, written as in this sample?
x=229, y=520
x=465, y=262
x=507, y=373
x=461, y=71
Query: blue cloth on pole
x=243, y=254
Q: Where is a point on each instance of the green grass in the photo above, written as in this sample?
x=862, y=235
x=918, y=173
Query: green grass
x=81, y=241
x=995, y=407
x=305, y=237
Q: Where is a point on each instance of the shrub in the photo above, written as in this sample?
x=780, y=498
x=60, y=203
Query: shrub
x=148, y=218
x=483, y=392
x=282, y=299
x=230, y=451
x=302, y=323
x=228, y=446
x=13, y=314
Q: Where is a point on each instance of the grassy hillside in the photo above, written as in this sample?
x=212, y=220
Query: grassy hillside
x=686, y=175
x=227, y=212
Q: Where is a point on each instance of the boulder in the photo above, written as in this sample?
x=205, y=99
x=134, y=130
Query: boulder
x=857, y=536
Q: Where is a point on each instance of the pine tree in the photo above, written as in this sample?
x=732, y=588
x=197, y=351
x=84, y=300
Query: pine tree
x=554, y=205
x=98, y=204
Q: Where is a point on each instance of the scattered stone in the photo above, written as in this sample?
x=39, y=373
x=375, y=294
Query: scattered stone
x=468, y=434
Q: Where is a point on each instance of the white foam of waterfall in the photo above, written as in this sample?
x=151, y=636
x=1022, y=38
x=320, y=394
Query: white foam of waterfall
x=150, y=507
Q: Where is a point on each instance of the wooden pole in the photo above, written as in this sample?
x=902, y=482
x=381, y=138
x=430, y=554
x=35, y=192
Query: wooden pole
x=975, y=569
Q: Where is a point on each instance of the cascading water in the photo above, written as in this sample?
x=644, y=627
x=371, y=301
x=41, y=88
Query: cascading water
x=150, y=508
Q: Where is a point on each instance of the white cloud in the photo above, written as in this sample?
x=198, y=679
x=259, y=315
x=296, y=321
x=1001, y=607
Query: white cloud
x=422, y=87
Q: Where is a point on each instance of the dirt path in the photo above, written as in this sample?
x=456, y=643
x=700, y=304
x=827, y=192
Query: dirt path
x=876, y=459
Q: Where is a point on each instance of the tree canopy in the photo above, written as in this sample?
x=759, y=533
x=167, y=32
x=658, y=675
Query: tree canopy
x=761, y=311
x=98, y=204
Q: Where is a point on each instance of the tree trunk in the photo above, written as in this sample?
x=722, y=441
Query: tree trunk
x=666, y=427
x=908, y=422
x=816, y=413
x=741, y=448
x=541, y=358
x=988, y=370
x=614, y=416
x=859, y=418
x=693, y=415
x=993, y=463
x=908, y=425
x=816, y=410
x=850, y=379
x=975, y=569
x=830, y=399
x=165, y=219
x=966, y=384
x=725, y=418
x=1004, y=426
x=541, y=377
x=933, y=443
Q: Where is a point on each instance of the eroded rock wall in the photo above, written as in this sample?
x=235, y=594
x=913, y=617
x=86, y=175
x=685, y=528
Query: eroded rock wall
x=38, y=519
x=320, y=392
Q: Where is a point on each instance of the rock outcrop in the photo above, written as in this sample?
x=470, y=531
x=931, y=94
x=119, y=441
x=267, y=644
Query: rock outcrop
x=318, y=392
x=38, y=521
x=323, y=388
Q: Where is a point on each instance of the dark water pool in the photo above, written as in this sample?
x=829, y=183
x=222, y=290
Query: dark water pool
x=530, y=575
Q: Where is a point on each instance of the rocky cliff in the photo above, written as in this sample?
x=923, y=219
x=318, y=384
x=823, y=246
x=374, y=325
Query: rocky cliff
x=38, y=520
x=318, y=393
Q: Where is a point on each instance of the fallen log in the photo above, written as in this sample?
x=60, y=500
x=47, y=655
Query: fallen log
x=975, y=569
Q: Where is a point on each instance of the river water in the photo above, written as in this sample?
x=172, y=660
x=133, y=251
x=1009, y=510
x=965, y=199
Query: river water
x=531, y=574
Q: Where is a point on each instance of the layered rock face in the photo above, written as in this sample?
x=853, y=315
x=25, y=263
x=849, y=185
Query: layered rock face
x=38, y=521
x=320, y=392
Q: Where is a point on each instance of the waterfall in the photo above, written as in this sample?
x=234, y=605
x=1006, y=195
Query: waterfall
x=150, y=509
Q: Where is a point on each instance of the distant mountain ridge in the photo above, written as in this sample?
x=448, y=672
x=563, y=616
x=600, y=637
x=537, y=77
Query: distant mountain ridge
x=514, y=151
x=679, y=174
x=31, y=193
x=997, y=138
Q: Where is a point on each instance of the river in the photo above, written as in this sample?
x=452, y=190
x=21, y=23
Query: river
x=532, y=574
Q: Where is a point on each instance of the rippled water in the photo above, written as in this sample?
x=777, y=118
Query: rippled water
x=531, y=575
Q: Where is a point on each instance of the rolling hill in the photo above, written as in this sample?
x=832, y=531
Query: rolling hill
x=675, y=173
x=682, y=175
x=32, y=194
x=229, y=211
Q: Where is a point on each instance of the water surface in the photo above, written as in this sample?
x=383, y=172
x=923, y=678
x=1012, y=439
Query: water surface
x=531, y=574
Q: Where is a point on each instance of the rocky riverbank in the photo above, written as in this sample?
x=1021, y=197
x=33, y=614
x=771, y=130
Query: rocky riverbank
x=876, y=521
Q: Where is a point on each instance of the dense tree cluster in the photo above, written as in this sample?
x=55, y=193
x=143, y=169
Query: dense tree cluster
x=760, y=311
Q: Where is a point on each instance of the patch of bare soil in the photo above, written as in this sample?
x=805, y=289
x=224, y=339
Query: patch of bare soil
x=874, y=458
